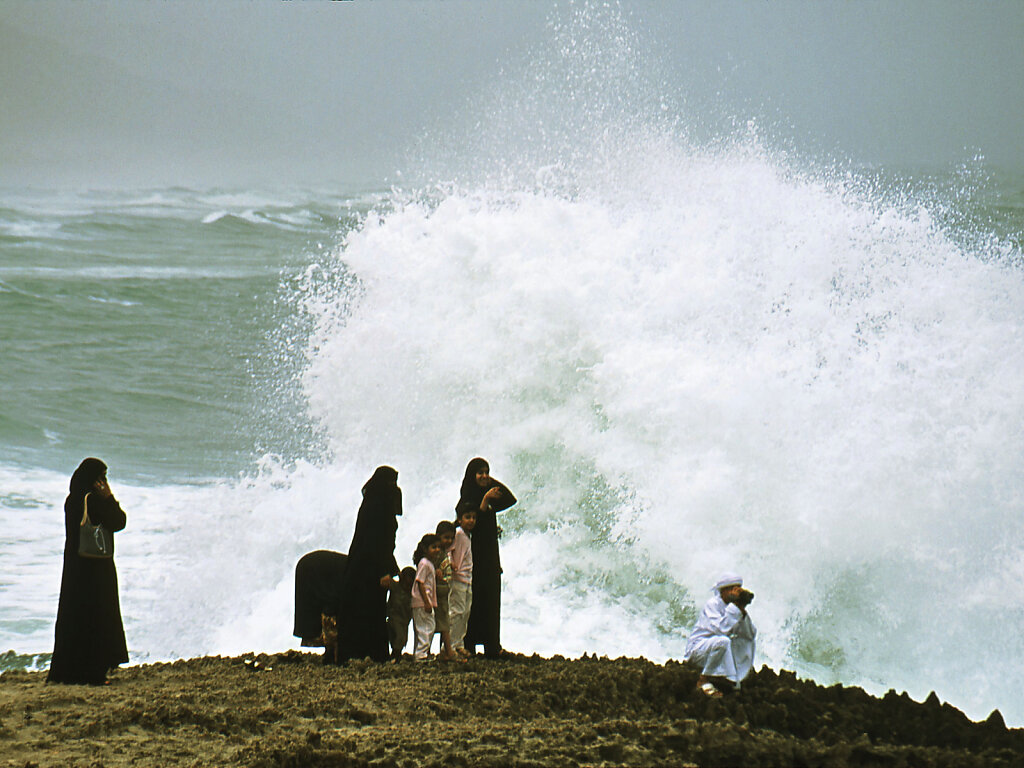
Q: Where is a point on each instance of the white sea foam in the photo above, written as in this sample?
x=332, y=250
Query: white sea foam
x=292, y=221
x=214, y=217
x=28, y=229
x=118, y=302
x=723, y=364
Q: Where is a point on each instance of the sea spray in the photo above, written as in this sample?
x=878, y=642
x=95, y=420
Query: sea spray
x=758, y=369
x=686, y=359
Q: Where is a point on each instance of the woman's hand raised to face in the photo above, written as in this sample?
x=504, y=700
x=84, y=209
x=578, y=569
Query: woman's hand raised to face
x=103, y=488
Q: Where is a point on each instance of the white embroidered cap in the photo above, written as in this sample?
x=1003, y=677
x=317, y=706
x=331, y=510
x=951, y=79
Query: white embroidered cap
x=729, y=580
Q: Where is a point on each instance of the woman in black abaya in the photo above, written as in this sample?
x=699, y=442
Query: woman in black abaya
x=89, y=637
x=363, y=604
x=318, y=577
x=487, y=496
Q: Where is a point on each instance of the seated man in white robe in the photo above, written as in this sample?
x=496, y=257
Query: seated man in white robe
x=722, y=642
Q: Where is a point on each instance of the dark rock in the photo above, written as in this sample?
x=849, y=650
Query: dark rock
x=994, y=722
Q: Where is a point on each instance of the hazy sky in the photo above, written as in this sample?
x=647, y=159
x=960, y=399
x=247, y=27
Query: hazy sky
x=224, y=93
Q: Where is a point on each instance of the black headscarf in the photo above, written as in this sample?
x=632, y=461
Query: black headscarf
x=88, y=472
x=382, y=485
x=472, y=493
x=373, y=541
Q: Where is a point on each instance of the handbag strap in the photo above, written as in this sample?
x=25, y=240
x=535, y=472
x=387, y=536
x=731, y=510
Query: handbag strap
x=85, y=510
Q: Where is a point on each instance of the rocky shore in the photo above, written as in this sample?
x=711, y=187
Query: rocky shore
x=290, y=710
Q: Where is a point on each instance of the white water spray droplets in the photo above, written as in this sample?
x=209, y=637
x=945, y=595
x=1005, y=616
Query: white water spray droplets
x=747, y=369
x=571, y=104
x=685, y=361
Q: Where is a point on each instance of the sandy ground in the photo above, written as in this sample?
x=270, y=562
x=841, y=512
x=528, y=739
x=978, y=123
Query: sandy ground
x=290, y=710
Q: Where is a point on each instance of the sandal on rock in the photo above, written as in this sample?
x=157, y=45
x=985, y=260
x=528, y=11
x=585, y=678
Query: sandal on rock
x=708, y=689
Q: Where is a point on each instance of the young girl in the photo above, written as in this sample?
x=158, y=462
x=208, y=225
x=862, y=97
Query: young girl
x=461, y=598
x=424, y=594
x=446, y=533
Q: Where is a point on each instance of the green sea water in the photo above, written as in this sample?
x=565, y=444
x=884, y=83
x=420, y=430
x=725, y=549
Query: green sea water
x=157, y=328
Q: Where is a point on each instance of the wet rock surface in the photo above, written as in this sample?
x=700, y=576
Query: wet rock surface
x=290, y=710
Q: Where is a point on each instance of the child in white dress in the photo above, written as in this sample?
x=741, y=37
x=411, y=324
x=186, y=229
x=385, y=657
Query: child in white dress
x=424, y=594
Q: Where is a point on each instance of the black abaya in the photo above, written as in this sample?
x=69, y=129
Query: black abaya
x=89, y=637
x=484, y=626
x=362, y=607
x=318, y=577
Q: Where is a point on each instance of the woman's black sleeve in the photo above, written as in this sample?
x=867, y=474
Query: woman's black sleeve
x=505, y=501
x=107, y=512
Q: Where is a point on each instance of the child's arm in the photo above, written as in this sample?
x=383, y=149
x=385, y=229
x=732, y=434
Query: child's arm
x=460, y=547
x=426, y=598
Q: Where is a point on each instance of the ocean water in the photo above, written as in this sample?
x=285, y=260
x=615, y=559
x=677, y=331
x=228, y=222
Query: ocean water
x=685, y=349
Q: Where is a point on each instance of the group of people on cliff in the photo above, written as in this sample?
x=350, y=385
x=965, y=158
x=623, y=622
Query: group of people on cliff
x=454, y=590
x=360, y=604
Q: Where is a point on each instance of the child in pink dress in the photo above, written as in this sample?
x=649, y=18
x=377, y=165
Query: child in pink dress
x=424, y=594
x=460, y=599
